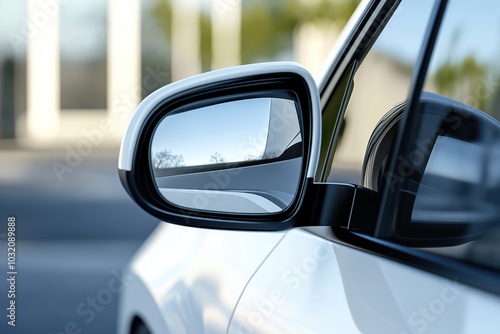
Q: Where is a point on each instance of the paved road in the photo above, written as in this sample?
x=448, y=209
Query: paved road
x=75, y=233
x=73, y=239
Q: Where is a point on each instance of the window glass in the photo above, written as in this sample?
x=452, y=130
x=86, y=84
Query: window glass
x=465, y=64
x=461, y=179
x=381, y=82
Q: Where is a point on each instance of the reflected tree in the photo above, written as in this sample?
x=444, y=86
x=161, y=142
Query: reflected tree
x=217, y=158
x=176, y=160
x=252, y=157
x=462, y=81
x=271, y=154
x=495, y=101
x=165, y=159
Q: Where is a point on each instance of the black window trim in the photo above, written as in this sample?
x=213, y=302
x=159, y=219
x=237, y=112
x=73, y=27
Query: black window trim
x=473, y=275
x=462, y=272
x=408, y=127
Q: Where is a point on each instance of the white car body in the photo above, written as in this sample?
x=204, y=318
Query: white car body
x=301, y=280
x=268, y=284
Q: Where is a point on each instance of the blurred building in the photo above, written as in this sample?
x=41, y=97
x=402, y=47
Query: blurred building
x=69, y=68
x=72, y=67
x=75, y=69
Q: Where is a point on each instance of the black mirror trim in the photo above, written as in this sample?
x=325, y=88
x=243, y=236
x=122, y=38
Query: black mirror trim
x=439, y=116
x=139, y=181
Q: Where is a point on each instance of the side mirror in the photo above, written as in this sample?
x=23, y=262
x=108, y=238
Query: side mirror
x=233, y=148
x=243, y=156
x=451, y=183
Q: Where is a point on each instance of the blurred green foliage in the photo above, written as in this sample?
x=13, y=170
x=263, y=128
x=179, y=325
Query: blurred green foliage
x=267, y=27
x=452, y=79
x=471, y=82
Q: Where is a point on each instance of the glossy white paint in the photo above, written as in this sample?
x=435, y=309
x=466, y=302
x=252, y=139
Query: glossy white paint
x=298, y=289
x=324, y=287
x=188, y=280
x=128, y=147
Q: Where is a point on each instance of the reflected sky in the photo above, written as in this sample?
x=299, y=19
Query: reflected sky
x=456, y=159
x=235, y=130
x=470, y=29
x=465, y=20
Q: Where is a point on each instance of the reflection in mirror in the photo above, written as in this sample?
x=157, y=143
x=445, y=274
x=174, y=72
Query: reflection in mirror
x=242, y=156
x=461, y=183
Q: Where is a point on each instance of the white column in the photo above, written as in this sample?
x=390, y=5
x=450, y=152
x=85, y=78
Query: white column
x=124, y=61
x=43, y=71
x=226, y=33
x=186, y=58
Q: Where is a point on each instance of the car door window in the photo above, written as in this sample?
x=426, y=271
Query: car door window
x=465, y=64
x=381, y=82
x=461, y=181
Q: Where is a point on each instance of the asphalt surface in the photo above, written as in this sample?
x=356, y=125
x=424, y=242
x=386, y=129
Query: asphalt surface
x=76, y=229
x=74, y=234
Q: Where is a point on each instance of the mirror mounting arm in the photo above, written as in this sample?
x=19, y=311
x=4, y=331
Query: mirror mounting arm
x=348, y=206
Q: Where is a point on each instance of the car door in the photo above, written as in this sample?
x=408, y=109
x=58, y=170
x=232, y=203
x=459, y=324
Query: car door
x=410, y=273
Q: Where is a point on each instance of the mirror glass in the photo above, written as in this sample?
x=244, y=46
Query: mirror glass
x=461, y=183
x=241, y=156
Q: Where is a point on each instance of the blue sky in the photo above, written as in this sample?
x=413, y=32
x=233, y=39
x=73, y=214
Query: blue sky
x=470, y=28
x=234, y=130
